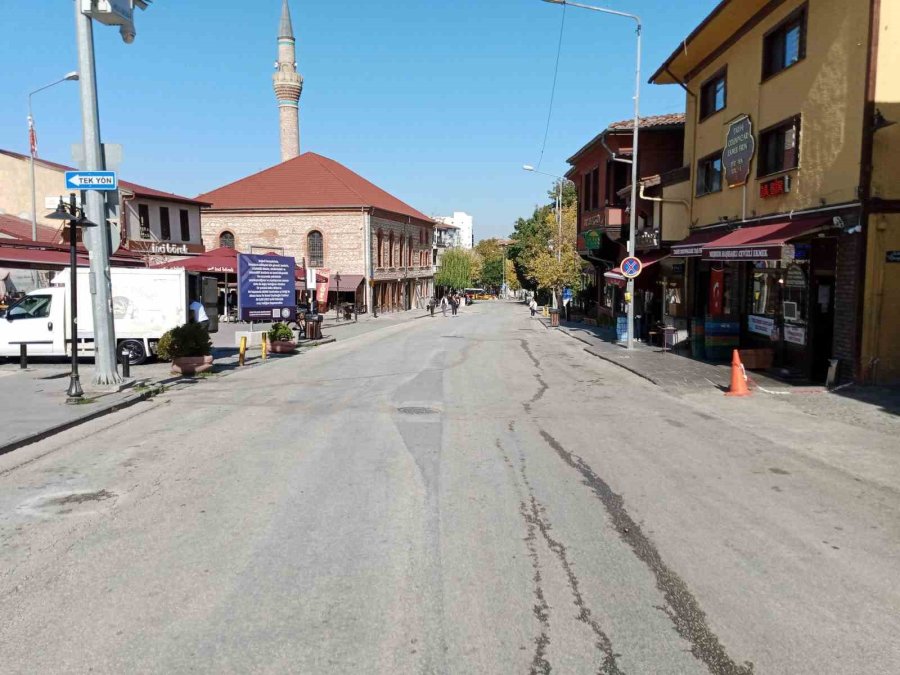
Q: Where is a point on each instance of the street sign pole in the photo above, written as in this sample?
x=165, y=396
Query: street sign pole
x=97, y=239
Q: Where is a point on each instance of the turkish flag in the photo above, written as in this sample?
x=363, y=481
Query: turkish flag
x=716, y=292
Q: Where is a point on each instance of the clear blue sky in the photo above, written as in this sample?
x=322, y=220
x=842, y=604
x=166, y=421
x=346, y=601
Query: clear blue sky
x=437, y=101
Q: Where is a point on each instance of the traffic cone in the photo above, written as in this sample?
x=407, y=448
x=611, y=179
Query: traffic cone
x=738, y=377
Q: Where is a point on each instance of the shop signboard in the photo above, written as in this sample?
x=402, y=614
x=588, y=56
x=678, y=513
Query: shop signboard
x=761, y=325
x=738, y=153
x=795, y=334
x=266, y=288
x=592, y=239
x=747, y=253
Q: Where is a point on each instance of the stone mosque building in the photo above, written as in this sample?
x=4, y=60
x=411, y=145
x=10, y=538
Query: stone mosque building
x=322, y=213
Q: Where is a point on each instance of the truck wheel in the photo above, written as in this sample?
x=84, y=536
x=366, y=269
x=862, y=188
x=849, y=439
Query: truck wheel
x=137, y=354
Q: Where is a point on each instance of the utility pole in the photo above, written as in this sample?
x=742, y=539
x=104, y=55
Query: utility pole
x=96, y=240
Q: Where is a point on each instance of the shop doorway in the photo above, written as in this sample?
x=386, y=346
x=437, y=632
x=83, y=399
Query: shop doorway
x=821, y=306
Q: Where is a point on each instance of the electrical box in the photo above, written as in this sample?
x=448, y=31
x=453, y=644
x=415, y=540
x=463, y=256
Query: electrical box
x=109, y=12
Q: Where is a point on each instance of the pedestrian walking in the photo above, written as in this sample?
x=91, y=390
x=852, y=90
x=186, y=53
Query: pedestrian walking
x=454, y=303
x=199, y=313
x=444, y=304
x=533, y=306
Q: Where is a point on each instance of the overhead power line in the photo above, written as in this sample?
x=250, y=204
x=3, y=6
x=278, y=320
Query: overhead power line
x=562, y=25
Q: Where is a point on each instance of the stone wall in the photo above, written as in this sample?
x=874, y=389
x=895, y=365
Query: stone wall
x=342, y=234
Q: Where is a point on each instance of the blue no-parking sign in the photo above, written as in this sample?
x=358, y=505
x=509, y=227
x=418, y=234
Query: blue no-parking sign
x=631, y=267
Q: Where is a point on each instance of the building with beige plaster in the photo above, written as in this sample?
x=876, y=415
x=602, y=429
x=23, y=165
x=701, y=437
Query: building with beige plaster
x=790, y=175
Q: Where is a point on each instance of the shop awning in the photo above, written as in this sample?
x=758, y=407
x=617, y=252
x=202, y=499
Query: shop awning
x=761, y=242
x=349, y=282
x=615, y=278
x=692, y=247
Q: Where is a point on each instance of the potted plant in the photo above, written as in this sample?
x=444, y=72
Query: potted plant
x=188, y=348
x=281, y=339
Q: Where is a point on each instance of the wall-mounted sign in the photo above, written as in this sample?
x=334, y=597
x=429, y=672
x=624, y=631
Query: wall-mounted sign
x=795, y=334
x=761, y=325
x=738, y=153
x=169, y=249
x=596, y=220
x=892, y=257
x=795, y=277
x=775, y=187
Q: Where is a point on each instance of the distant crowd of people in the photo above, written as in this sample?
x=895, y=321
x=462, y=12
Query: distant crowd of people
x=450, y=301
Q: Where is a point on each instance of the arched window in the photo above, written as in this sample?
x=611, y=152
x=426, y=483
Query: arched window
x=315, y=250
x=400, y=259
x=391, y=250
x=409, y=251
x=380, y=248
x=226, y=239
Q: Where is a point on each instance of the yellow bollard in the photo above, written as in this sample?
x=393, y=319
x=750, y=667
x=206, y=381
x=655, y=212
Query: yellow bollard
x=265, y=346
x=242, y=351
x=545, y=311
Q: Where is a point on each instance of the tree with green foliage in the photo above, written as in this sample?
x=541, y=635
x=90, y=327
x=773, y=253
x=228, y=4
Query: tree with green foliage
x=456, y=270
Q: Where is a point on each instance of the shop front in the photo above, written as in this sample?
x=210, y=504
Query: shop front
x=768, y=290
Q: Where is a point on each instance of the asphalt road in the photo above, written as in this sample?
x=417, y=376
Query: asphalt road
x=452, y=495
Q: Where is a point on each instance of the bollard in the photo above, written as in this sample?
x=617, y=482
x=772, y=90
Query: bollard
x=265, y=346
x=243, y=351
x=23, y=356
x=126, y=363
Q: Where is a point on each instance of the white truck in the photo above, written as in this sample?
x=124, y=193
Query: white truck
x=145, y=304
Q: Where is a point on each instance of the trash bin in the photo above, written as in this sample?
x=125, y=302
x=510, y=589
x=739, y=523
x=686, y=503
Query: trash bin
x=314, y=326
x=554, y=318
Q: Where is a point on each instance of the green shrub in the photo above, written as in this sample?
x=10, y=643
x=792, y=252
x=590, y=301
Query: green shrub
x=191, y=339
x=280, y=332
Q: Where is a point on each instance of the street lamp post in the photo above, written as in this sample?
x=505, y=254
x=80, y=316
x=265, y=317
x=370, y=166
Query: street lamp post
x=337, y=298
x=33, y=149
x=559, y=184
x=634, y=157
x=75, y=217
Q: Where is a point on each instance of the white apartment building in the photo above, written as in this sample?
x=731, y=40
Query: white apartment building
x=463, y=222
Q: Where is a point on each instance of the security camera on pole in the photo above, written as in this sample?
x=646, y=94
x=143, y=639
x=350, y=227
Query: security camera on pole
x=97, y=240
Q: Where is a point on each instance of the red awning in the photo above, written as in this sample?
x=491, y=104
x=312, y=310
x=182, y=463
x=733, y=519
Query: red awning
x=37, y=258
x=692, y=247
x=349, y=282
x=761, y=242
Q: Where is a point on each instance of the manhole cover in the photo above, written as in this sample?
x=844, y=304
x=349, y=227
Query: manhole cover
x=416, y=410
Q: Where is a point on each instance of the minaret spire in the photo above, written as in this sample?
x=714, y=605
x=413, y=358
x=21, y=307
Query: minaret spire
x=288, y=86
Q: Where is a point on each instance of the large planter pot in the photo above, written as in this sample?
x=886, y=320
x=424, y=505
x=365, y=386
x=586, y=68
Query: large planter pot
x=191, y=365
x=282, y=346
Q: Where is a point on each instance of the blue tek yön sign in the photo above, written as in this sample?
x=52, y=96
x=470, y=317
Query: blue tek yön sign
x=92, y=180
x=631, y=267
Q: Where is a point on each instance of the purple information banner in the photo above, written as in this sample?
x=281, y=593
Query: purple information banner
x=266, y=289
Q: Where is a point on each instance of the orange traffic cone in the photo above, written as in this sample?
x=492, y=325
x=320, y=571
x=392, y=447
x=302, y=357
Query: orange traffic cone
x=738, y=377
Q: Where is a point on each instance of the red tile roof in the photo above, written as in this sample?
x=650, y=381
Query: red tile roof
x=307, y=181
x=17, y=228
x=138, y=190
x=671, y=120
x=650, y=123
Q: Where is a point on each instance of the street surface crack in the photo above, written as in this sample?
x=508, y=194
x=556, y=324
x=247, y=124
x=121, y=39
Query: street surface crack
x=682, y=608
x=541, y=608
x=524, y=344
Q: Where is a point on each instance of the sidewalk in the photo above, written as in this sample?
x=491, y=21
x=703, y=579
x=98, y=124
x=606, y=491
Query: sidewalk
x=671, y=370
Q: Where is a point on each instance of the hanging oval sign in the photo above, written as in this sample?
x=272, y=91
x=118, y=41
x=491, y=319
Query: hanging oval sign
x=740, y=147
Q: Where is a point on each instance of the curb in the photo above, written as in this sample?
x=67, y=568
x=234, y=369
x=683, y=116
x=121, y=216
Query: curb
x=29, y=439
x=609, y=359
